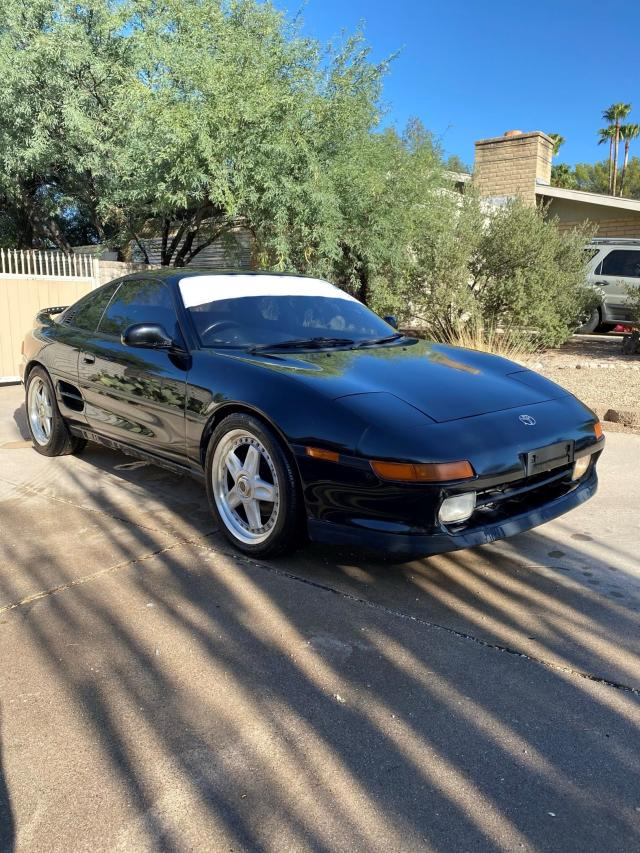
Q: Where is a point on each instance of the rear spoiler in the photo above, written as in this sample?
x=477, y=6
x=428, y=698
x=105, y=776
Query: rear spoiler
x=44, y=316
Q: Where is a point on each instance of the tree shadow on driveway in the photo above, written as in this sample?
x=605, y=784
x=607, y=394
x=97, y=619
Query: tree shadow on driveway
x=7, y=829
x=195, y=699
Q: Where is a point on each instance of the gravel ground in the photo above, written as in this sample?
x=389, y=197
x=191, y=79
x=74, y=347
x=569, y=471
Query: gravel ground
x=594, y=369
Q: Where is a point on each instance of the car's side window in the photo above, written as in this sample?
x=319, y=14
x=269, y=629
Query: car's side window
x=622, y=263
x=141, y=301
x=87, y=312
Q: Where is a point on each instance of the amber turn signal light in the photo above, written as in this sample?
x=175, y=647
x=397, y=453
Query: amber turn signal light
x=321, y=453
x=426, y=472
x=597, y=428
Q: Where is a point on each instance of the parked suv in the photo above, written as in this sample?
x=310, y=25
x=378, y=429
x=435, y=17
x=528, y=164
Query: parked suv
x=614, y=267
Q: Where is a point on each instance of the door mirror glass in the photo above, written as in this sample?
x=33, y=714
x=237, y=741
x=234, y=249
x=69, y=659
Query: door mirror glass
x=147, y=335
x=391, y=320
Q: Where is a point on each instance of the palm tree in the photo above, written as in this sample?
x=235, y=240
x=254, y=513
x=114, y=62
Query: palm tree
x=613, y=115
x=558, y=141
x=627, y=132
x=604, y=134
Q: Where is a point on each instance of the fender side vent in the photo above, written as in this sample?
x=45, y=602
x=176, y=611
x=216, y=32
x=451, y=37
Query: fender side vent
x=70, y=396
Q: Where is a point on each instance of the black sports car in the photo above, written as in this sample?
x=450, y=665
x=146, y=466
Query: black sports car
x=305, y=412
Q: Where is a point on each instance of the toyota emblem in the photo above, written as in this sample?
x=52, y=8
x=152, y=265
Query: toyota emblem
x=527, y=420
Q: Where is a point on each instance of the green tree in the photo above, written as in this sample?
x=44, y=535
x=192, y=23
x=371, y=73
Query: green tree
x=628, y=132
x=388, y=187
x=614, y=114
x=593, y=177
x=456, y=164
x=562, y=175
x=558, y=142
x=178, y=118
x=608, y=134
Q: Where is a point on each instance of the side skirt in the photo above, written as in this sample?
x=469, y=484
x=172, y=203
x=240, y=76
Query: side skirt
x=136, y=452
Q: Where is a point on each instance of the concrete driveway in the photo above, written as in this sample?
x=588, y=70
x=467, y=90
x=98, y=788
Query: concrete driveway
x=158, y=692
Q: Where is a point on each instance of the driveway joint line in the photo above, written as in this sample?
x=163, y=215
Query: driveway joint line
x=198, y=543
x=626, y=688
x=45, y=593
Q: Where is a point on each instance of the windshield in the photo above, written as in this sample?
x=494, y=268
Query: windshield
x=256, y=311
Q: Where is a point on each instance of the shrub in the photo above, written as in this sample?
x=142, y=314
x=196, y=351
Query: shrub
x=476, y=334
x=634, y=296
x=510, y=269
x=529, y=275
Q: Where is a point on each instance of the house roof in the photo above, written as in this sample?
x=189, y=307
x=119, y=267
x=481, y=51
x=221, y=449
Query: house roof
x=588, y=198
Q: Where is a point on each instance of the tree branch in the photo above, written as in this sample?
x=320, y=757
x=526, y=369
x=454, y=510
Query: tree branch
x=204, y=245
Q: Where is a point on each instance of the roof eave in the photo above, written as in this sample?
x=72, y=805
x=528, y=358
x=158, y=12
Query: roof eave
x=588, y=198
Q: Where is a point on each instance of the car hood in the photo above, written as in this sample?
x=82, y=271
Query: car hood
x=445, y=383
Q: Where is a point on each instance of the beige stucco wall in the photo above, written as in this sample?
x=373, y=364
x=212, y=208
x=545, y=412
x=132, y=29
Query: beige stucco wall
x=508, y=166
x=20, y=300
x=611, y=221
x=108, y=270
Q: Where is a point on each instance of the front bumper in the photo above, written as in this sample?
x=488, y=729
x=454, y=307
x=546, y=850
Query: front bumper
x=368, y=537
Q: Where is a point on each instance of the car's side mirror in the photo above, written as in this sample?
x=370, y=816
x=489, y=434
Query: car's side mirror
x=391, y=320
x=147, y=336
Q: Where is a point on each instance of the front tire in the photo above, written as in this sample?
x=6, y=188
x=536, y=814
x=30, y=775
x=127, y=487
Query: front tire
x=253, y=488
x=48, y=429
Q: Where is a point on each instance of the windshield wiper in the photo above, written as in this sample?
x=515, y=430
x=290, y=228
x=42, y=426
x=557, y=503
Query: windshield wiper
x=303, y=343
x=372, y=342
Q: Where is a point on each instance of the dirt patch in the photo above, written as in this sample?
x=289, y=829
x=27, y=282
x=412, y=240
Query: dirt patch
x=594, y=368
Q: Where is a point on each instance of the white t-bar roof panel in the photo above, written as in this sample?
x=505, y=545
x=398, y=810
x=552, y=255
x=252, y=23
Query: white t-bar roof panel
x=202, y=289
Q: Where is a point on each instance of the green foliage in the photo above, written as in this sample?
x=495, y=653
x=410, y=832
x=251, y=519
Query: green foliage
x=456, y=164
x=558, y=141
x=562, y=175
x=594, y=177
x=511, y=269
x=386, y=187
x=122, y=120
x=175, y=118
x=529, y=275
x=634, y=300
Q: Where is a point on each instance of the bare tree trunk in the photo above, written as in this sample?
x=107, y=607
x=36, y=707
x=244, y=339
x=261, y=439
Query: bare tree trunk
x=615, y=157
x=193, y=231
x=53, y=230
x=627, y=142
x=166, y=261
x=610, y=162
x=166, y=225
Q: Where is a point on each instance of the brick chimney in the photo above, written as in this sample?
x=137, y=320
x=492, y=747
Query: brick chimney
x=511, y=165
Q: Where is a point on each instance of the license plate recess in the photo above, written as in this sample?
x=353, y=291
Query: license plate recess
x=549, y=457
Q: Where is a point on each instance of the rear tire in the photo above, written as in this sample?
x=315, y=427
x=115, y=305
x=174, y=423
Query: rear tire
x=590, y=326
x=48, y=429
x=252, y=487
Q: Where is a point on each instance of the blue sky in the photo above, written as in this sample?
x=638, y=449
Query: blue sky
x=471, y=69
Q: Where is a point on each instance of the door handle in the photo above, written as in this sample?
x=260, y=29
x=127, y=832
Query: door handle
x=88, y=358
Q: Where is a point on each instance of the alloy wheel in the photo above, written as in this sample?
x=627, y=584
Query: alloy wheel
x=245, y=486
x=40, y=411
